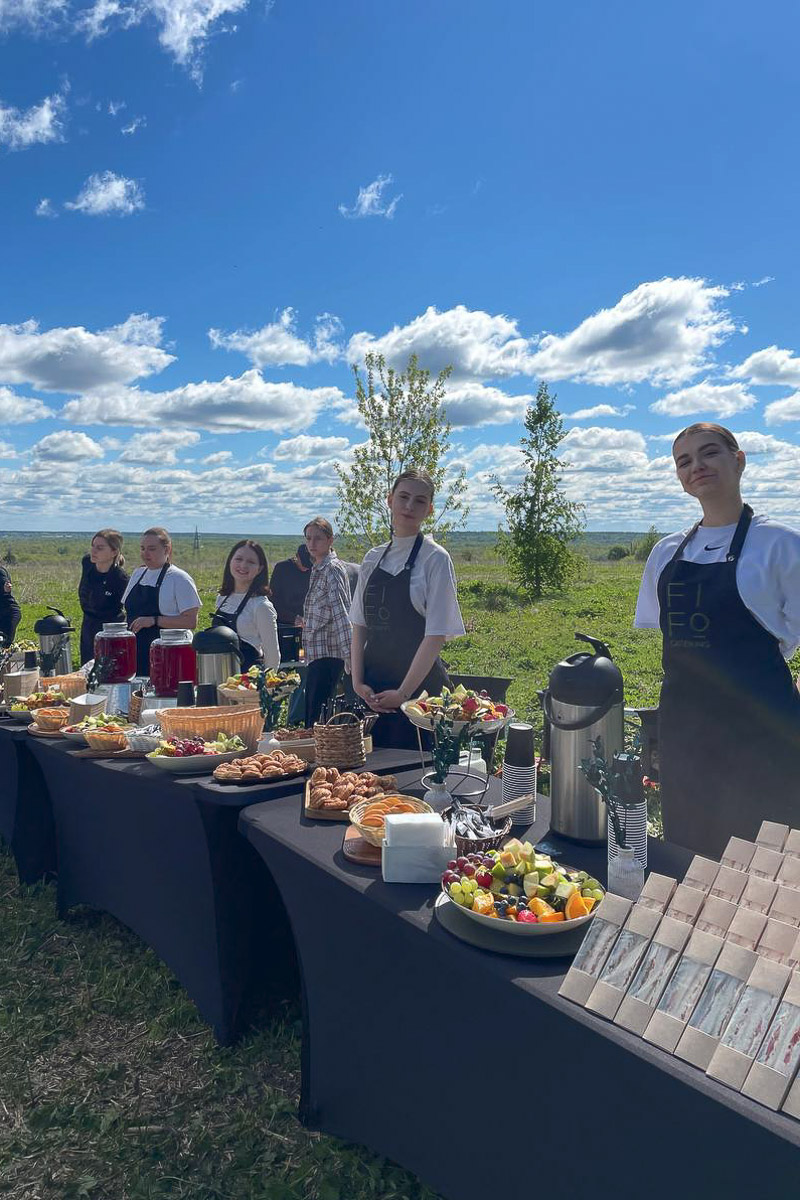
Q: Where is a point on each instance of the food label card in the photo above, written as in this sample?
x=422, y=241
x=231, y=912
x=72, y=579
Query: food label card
x=765, y=863
x=658, y=962
x=751, y=1018
x=657, y=892
x=786, y=905
x=738, y=853
x=713, y=1010
x=772, y=835
x=701, y=873
x=686, y=903
x=715, y=916
x=746, y=928
x=623, y=961
x=683, y=990
x=595, y=949
x=771, y=1075
x=758, y=894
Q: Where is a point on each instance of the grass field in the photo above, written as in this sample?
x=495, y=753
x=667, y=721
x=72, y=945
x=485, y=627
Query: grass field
x=111, y=1088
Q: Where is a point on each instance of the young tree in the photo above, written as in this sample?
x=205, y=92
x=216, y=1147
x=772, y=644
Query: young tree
x=404, y=416
x=541, y=521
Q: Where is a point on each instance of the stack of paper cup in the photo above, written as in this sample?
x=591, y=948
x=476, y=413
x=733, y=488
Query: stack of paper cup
x=519, y=770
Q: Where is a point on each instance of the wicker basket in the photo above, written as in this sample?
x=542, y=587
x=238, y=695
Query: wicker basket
x=481, y=845
x=340, y=743
x=102, y=739
x=70, y=685
x=249, y=698
x=375, y=835
x=51, y=719
x=135, y=706
x=208, y=722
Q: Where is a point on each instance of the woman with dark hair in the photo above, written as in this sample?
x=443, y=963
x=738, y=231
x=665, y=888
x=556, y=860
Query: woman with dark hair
x=159, y=596
x=10, y=611
x=102, y=586
x=726, y=597
x=404, y=610
x=243, y=605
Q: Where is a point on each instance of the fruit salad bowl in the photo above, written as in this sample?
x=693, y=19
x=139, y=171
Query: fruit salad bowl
x=192, y=764
x=460, y=706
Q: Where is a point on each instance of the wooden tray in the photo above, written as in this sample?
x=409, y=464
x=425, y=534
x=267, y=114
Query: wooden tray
x=45, y=733
x=359, y=850
x=322, y=814
x=272, y=779
x=89, y=753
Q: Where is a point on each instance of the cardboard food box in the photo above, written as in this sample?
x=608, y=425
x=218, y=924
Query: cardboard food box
x=758, y=894
x=659, y=960
x=751, y=1018
x=738, y=853
x=715, y=916
x=595, y=948
x=657, y=891
x=792, y=846
x=686, y=903
x=746, y=928
x=701, y=873
x=777, y=942
x=772, y=835
x=785, y=905
x=623, y=961
x=765, y=863
x=729, y=884
x=771, y=1075
x=789, y=872
x=713, y=1010
x=683, y=990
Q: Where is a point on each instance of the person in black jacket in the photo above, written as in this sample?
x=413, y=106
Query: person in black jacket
x=10, y=612
x=101, y=588
x=288, y=587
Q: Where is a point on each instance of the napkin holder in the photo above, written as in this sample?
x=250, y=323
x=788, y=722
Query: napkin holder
x=660, y=959
x=414, y=849
x=685, y=985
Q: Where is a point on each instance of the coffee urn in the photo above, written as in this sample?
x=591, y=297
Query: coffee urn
x=582, y=702
x=55, y=653
x=218, y=654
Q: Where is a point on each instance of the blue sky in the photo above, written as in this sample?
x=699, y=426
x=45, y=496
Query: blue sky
x=208, y=209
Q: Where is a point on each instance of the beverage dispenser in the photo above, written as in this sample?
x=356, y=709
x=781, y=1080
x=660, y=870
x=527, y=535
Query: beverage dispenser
x=55, y=652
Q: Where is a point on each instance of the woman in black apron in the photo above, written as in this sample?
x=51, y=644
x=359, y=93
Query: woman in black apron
x=101, y=588
x=729, y=714
x=145, y=605
x=393, y=658
x=244, y=578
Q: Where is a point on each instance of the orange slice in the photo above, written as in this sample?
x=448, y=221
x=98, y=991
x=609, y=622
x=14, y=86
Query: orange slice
x=552, y=916
x=590, y=902
x=540, y=907
x=576, y=907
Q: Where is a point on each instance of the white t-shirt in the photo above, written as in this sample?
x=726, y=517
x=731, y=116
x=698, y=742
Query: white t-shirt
x=767, y=574
x=257, y=624
x=433, y=585
x=177, y=589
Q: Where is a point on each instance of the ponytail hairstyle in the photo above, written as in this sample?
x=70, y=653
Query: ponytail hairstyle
x=158, y=531
x=709, y=427
x=419, y=475
x=114, y=539
x=260, y=583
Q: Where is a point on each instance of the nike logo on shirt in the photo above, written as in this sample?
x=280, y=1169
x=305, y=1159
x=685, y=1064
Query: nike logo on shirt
x=712, y=547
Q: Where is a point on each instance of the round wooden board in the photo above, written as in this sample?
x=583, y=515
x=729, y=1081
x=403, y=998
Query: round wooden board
x=359, y=850
x=45, y=733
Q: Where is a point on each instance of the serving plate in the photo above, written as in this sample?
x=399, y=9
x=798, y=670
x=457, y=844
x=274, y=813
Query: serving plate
x=197, y=764
x=520, y=929
x=75, y=737
x=423, y=722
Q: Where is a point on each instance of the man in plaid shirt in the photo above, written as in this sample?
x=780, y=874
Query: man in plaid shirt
x=326, y=624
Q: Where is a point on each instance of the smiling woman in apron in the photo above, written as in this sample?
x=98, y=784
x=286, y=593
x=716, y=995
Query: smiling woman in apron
x=726, y=596
x=404, y=610
x=158, y=596
x=102, y=586
x=242, y=605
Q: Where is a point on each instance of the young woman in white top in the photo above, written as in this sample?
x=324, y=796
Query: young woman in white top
x=243, y=606
x=726, y=596
x=404, y=610
x=158, y=596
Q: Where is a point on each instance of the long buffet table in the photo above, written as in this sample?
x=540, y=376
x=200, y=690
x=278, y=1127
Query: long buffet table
x=469, y=1069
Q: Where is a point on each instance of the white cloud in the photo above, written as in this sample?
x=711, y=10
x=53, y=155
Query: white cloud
x=136, y=123
x=160, y=447
x=230, y=405
x=41, y=123
x=215, y=460
x=600, y=410
x=106, y=194
x=722, y=400
x=33, y=16
x=787, y=409
x=19, y=410
x=768, y=367
x=116, y=106
x=305, y=446
x=184, y=25
x=7, y=450
x=67, y=446
x=764, y=279
x=45, y=208
x=477, y=404
x=475, y=344
x=75, y=360
x=278, y=344
x=661, y=332
x=370, y=201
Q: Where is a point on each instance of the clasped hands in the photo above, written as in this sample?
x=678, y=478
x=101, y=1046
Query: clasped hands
x=142, y=623
x=380, y=702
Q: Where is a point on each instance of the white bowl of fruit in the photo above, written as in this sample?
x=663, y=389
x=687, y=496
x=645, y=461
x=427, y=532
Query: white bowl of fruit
x=520, y=891
x=462, y=706
x=77, y=732
x=195, y=755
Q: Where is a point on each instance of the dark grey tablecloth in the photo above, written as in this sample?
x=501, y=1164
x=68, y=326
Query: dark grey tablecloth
x=469, y=1069
x=162, y=854
x=26, y=815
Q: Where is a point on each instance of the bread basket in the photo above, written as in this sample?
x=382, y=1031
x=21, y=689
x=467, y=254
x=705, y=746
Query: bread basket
x=208, y=722
x=374, y=834
x=102, y=739
x=70, y=685
x=51, y=719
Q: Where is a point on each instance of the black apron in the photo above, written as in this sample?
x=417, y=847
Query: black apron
x=394, y=632
x=250, y=655
x=142, y=601
x=729, y=715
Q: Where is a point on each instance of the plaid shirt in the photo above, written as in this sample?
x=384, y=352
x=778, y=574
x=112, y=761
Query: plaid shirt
x=327, y=628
